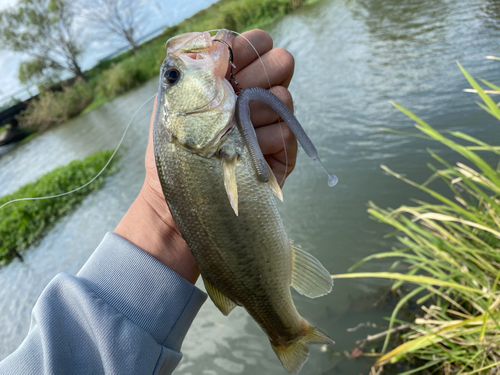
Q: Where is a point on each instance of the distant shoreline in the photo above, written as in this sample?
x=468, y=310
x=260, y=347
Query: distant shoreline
x=113, y=77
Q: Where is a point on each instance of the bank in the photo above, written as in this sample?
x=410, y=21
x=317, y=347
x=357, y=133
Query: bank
x=122, y=73
x=24, y=223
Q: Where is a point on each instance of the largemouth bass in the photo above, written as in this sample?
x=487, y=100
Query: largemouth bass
x=226, y=214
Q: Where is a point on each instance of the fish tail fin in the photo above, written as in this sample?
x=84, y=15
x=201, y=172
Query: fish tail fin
x=295, y=355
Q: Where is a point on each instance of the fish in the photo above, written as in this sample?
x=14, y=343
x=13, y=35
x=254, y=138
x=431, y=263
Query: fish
x=225, y=213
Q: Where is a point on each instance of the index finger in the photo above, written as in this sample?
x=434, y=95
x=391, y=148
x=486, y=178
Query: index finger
x=243, y=52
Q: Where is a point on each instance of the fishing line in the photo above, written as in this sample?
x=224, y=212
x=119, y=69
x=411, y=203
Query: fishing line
x=102, y=170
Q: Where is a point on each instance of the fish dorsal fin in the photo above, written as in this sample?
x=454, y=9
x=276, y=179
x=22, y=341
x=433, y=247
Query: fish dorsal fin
x=273, y=183
x=309, y=277
x=228, y=168
x=223, y=303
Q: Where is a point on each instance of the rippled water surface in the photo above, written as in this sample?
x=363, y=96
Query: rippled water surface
x=352, y=58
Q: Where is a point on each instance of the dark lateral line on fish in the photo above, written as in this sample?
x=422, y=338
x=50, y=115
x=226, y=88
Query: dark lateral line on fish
x=246, y=128
x=231, y=59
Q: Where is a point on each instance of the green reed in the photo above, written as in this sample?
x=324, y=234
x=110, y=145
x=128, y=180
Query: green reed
x=451, y=253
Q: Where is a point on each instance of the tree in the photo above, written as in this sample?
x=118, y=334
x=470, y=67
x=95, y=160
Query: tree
x=37, y=71
x=120, y=17
x=42, y=29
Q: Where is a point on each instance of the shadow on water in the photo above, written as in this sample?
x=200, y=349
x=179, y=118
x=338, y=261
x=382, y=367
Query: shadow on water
x=491, y=14
x=411, y=24
x=4, y=150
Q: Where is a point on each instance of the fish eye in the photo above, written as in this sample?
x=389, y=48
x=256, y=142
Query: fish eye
x=171, y=76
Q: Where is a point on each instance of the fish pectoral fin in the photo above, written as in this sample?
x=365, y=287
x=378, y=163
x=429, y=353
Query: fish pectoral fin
x=228, y=167
x=294, y=356
x=273, y=183
x=309, y=277
x=223, y=303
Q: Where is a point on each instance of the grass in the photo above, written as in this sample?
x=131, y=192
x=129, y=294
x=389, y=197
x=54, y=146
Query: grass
x=28, y=138
x=451, y=253
x=24, y=223
x=118, y=75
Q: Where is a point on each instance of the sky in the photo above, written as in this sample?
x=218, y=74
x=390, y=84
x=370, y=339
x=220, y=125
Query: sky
x=159, y=13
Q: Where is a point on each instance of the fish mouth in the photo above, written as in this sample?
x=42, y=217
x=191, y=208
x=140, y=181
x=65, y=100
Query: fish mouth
x=196, y=50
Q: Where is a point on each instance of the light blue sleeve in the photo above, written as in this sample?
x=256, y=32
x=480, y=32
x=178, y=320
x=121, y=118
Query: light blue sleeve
x=123, y=313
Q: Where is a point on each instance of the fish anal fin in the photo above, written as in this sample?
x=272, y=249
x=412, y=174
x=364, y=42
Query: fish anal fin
x=294, y=356
x=228, y=168
x=223, y=303
x=273, y=183
x=309, y=277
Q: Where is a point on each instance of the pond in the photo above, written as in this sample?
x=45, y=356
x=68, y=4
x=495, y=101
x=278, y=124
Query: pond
x=352, y=58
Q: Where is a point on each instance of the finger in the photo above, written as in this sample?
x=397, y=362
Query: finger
x=280, y=170
x=279, y=66
x=278, y=141
x=244, y=53
x=262, y=114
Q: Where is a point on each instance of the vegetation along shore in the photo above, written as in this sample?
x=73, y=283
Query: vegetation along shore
x=449, y=252
x=24, y=223
x=115, y=76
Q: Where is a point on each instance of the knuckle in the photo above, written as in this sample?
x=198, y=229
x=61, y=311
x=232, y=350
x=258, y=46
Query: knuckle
x=257, y=38
x=285, y=59
x=288, y=135
x=284, y=95
x=266, y=39
x=291, y=145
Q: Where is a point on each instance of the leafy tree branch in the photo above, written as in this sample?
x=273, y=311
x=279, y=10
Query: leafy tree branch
x=43, y=30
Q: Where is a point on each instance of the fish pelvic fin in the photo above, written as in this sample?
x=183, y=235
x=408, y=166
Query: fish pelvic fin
x=223, y=303
x=273, y=183
x=309, y=277
x=294, y=356
x=228, y=168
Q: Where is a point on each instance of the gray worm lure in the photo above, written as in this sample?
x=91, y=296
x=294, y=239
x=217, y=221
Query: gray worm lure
x=246, y=128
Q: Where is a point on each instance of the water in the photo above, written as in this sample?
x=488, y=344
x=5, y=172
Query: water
x=352, y=57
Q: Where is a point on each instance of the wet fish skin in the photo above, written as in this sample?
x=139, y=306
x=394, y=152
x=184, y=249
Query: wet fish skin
x=244, y=254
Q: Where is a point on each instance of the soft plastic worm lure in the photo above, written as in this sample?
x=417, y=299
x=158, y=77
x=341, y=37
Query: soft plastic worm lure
x=247, y=130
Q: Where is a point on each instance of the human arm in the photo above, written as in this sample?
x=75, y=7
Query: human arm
x=123, y=313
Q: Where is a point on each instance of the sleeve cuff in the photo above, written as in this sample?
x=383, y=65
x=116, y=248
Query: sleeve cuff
x=143, y=289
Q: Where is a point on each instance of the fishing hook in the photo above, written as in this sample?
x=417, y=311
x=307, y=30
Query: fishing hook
x=231, y=75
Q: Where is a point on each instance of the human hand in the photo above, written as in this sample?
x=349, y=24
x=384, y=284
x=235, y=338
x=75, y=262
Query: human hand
x=148, y=223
